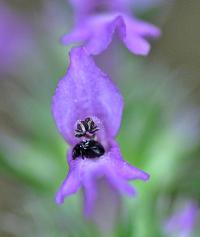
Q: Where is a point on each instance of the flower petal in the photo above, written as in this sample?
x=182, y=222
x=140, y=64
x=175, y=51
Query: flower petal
x=137, y=45
x=183, y=221
x=125, y=170
x=69, y=186
x=86, y=91
x=87, y=173
x=102, y=34
x=90, y=194
x=136, y=31
x=96, y=33
x=141, y=28
x=78, y=35
x=131, y=173
x=119, y=183
x=107, y=204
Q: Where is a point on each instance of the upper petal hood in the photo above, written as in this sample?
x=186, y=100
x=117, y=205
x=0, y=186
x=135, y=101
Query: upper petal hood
x=86, y=91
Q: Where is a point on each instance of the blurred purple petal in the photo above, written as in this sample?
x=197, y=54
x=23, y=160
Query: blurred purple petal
x=69, y=186
x=99, y=30
x=107, y=204
x=182, y=223
x=130, y=172
x=90, y=194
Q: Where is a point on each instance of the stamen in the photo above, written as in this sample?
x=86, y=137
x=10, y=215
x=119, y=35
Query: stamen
x=86, y=128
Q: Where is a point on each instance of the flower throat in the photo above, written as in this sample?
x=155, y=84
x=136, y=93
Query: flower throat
x=87, y=148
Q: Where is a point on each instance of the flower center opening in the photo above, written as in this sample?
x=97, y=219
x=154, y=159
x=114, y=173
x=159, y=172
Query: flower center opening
x=86, y=128
x=89, y=147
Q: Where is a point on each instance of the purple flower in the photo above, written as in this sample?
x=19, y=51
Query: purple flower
x=181, y=224
x=95, y=31
x=87, y=108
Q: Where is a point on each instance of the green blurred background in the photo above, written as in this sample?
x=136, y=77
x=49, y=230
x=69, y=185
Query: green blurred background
x=159, y=133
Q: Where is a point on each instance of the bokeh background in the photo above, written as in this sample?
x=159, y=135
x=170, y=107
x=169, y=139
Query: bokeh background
x=160, y=130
